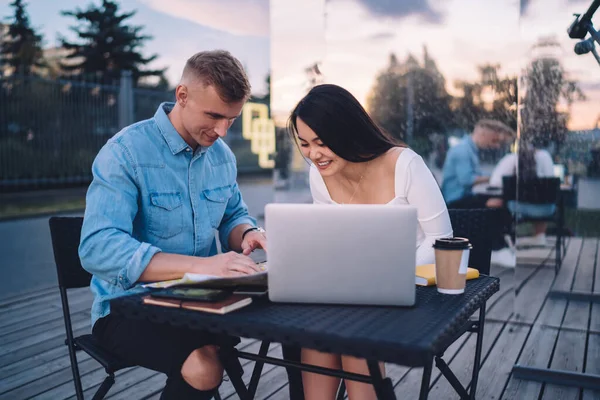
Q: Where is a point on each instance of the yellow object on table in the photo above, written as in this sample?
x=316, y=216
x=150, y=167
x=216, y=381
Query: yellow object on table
x=425, y=274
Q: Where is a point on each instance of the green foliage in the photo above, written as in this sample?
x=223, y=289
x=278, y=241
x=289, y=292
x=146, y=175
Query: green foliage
x=546, y=88
x=409, y=100
x=107, y=45
x=21, y=49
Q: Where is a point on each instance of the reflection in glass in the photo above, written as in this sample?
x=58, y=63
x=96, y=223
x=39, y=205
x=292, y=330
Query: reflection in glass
x=297, y=50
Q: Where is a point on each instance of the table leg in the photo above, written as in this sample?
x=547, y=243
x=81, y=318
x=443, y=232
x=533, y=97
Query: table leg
x=425, y=380
x=232, y=366
x=383, y=386
x=258, y=367
x=478, y=350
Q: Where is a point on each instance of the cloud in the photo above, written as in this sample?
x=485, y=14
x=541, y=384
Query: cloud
x=239, y=17
x=526, y=3
x=382, y=36
x=404, y=8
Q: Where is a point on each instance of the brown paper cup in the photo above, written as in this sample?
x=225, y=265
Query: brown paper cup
x=451, y=267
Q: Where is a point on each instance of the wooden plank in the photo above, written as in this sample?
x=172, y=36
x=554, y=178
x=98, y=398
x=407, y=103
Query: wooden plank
x=8, y=302
x=41, y=337
x=531, y=291
x=408, y=384
x=568, y=356
x=497, y=368
x=536, y=353
x=33, y=361
x=49, y=382
x=501, y=305
x=38, y=348
x=34, y=373
x=16, y=316
x=554, y=309
x=462, y=364
x=534, y=255
x=40, y=320
x=578, y=312
x=595, y=322
x=52, y=325
x=92, y=376
x=593, y=365
x=148, y=388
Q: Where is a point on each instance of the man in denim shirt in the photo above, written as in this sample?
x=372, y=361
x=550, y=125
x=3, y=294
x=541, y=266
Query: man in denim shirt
x=461, y=168
x=160, y=189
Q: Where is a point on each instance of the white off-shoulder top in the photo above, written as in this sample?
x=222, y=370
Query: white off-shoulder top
x=414, y=185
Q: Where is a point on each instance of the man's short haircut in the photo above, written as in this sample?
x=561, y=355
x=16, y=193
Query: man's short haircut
x=218, y=68
x=496, y=126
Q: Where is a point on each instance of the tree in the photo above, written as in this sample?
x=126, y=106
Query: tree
x=21, y=50
x=107, y=46
x=545, y=105
x=410, y=101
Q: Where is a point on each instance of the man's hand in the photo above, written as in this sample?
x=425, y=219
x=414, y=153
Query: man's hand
x=230, y=264
x=254, y=240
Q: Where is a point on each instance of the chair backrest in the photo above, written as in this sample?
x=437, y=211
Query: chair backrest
x=479, y=226
x=536, y=190
x=66, y=233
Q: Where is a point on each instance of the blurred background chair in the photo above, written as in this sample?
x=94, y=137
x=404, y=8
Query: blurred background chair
x=538, y=191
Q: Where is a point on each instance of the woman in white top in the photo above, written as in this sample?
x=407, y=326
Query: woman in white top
x=532, y=163
x=356, y=162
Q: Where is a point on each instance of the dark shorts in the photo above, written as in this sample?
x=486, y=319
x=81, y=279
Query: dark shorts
x=159, y=347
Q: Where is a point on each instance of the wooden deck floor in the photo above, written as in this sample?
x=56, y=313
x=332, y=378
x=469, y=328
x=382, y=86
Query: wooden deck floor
x=523, y=326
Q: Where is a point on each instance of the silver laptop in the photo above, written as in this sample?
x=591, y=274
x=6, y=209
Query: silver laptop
x=351, y=254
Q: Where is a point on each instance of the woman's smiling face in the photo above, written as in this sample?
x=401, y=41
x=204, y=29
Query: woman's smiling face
x=326, y=161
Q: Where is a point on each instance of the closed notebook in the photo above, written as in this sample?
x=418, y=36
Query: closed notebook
x=232, y=303
x=426, y=274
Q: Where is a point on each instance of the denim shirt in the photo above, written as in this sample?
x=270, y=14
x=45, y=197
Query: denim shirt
x=460, y=170
x=150, y=193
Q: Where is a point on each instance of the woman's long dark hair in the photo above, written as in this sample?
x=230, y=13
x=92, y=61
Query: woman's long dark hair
x=342, y=124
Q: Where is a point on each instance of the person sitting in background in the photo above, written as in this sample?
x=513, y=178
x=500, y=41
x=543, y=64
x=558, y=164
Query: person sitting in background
x=462, y=169
x=532, y=163
x=356, y=162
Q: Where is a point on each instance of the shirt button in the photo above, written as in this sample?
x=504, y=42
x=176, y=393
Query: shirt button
x=188, y=149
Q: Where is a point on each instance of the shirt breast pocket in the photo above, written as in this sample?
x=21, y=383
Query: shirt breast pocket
x=216, y=203
x=166, y=214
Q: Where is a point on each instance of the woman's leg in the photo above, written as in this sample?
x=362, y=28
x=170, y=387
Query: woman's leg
x=358, y=390
x=318, y=386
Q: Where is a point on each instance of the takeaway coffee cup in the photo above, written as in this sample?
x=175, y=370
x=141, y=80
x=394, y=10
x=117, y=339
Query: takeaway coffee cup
x=451, y=262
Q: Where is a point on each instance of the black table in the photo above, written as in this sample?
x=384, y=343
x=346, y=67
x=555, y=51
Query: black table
x=411, y=336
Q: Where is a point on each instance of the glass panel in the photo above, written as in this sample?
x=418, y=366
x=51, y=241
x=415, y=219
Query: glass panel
x=559, y=104
x=297, y=51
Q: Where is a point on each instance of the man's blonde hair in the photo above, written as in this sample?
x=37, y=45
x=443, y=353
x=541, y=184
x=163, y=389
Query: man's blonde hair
x=220, y=69
x=496, y=126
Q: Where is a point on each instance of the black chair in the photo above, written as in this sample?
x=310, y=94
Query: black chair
x=66, y=232
x=479, y=226
x=538, y=191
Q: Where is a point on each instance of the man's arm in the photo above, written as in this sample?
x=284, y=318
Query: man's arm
x=465, y=170
x=109, y=251
x=166, y=266
x=235, y=221
x=107, y=248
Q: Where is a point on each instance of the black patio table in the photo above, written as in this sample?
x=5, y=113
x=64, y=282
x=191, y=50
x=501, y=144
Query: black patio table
x=411, y=336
